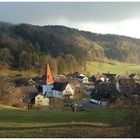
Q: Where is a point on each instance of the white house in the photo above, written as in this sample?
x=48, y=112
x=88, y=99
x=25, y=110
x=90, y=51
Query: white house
x=62, y=89
x=82, y=78
x=85, y=80
x=102, y=78
x=59, y=90
x=41, y=100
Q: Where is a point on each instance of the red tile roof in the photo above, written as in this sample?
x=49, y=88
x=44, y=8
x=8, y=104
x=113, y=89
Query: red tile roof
x=48, y=76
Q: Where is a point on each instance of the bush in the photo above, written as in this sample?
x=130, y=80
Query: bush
x=18, y=105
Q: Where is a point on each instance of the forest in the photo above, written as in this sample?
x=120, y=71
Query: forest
x=29, y=47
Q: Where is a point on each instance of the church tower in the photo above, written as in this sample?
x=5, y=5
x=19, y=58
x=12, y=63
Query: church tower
x=48, y=76
x=48, y=82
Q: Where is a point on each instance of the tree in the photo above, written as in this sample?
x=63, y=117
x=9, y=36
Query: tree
x=5, y=88
x=5, y=57
x=70, y=62
x=61, y=65
x=25, y=60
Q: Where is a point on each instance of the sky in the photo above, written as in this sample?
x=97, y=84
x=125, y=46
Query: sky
x=122, y=18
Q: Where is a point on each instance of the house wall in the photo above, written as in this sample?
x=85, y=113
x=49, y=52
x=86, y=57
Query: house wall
x=68, y=90
x=48, y=89
x=57, y=94
x=85, y=80
x=41, y=101
x=127, y=85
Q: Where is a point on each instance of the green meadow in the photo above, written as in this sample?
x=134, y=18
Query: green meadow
x=96, y=67
x=42, y=123
x=12, y=73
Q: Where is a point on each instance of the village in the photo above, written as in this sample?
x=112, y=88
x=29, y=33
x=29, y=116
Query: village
x=74, y=91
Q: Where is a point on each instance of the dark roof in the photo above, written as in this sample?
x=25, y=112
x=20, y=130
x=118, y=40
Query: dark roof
x=59, y=86
x=80, y=77
x=109, y=75
x=122, y=77
x=132, y=75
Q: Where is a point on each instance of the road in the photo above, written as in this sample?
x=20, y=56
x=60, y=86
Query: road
x=87, y=105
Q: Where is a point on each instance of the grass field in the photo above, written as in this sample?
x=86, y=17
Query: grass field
x=94, y=67
x=36, y=123
x=111, y=67
x=13, y=73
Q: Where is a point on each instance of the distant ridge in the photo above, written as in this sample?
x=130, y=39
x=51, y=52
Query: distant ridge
x=59, y=41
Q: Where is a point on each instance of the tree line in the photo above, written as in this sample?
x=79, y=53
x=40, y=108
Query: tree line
x=29, y=47
x=37, y=61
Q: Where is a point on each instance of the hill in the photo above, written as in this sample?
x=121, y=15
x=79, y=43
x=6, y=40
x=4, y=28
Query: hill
x=97, y=67
x=25, y=46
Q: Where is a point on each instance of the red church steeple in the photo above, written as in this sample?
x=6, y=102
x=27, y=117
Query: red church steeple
x=48, y=76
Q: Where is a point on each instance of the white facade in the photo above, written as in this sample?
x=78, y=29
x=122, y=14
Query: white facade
x=50, y=92
x=68, y=90
x=85, y=80
x=61, y=94
x=98, y=102
x=102, y=79
x=57, y=94
x=47, y=89
x=41, y=101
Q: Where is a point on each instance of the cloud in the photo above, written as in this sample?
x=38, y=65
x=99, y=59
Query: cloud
x=102, y=17
x=71, y=11
x=125, y=27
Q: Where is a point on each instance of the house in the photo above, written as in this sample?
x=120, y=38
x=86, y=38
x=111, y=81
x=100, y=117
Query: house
x=102, y=78
x=82, y=78
x=56, y=89
x=92, y=78
x=103, y=92
x=109, y=76
x=135, y=77
x=127, y=84
x=60, y=90
x=41, y=100
x=39, y=80
x=31, y=82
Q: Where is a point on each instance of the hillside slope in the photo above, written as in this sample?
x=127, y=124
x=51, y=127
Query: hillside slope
x=31, y=43
x=120, y=68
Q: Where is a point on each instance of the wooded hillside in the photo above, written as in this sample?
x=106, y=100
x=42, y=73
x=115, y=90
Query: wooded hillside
x=25, y=46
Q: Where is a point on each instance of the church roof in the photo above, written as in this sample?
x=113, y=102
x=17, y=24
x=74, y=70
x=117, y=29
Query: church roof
x=60, y=86
x=48, y=76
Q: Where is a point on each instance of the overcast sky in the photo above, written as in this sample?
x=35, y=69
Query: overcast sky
x=104, y=17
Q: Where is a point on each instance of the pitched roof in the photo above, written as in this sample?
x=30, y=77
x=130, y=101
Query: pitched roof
x=132, y=75
x=123, y=77
x=48, y=76
x=109, y=75
x=60, y=86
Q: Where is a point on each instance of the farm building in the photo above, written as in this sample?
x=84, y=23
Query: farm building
x=41, y=100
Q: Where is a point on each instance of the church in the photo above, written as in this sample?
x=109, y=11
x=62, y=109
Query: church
x=52, y=88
